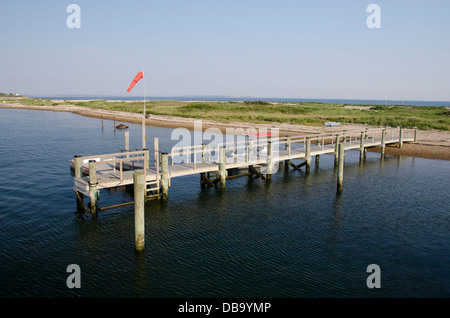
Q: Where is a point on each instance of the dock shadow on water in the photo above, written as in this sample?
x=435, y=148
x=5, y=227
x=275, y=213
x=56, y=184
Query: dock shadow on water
x=291, y=236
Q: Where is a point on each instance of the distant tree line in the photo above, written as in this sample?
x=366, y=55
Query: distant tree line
x=7, y=95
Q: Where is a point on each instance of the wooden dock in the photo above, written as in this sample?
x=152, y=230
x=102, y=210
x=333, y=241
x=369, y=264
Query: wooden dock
x=252, y=156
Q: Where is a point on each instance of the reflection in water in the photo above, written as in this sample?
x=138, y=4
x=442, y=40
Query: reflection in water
x=399, y=161
x=337, y=211
x=140, y=273
x=222, y=201
x=336, y=226
x=87, y=229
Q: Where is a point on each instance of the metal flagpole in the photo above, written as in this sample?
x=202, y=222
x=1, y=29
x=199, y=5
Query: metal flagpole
x=144, y=115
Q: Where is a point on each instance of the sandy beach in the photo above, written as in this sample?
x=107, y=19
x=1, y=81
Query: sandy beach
x=432, y=144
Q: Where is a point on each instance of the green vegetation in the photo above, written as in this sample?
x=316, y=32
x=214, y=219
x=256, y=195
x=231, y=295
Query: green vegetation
x=306, y=113
x=256, y=102
x=197, y=107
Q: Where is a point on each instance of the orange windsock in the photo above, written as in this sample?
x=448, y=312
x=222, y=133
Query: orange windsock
x=136, y=79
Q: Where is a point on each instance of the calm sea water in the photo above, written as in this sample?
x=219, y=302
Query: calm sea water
x=291, y=237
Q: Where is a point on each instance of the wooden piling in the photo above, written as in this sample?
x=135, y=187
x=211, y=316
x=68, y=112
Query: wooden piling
x=222, y=169
x=93, y=192
x=341, y=159
x=383, y=141
x=336, y=150
x=366, y=136
x=127, y=141
x=146, y=158
x=400, y=138
x=78, y=165
x=165, y=175
x=251, y=151
x=318, y=143
x=269, y=171
x=361, y=149
x=415, y=134
x=203, y=153
x=102, y=122
x=203, y=174
x=155, y=148
x=139, y=210
x=308, y=154
x=288, y=149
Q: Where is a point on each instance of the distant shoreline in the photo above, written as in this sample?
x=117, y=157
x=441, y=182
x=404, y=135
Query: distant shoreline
x=242, y=98
x=431, y=144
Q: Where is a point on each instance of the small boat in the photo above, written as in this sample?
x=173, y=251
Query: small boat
x=331, y=124
x=121, y=126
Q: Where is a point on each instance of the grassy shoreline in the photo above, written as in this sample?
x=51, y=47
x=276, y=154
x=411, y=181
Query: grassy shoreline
x=259, y=112
x=431, y=144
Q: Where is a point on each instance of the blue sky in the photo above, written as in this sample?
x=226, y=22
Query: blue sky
x=282, y=49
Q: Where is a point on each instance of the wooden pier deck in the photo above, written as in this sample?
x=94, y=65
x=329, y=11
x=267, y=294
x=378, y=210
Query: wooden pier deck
x=93, y=173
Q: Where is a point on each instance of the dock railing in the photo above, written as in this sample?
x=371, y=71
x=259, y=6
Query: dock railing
x=244, y=151
x=120, y=158
x=251, y=150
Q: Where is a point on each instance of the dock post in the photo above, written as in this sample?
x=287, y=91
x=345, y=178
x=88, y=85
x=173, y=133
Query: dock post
x=139, y=210
x=165, y=175
x=127, y=141
x=203, y=153
x=341, y=156
x=93, y=192
x=155, y=148
x=415, y=134
x=78, y=166
x=288, y=149
x=269, y=160
x=203, y=175
x=308, y=154
x=251, y=152
x=361, y=150
x=400, y=138
x=366, y=136
x=336, y=150
x=318, y=143
x=222, y=169
x=146, y=158
x=344, y=137
x=383, y=141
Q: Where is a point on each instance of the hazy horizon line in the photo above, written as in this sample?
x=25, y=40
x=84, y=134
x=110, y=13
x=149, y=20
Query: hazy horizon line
x=223, y=96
